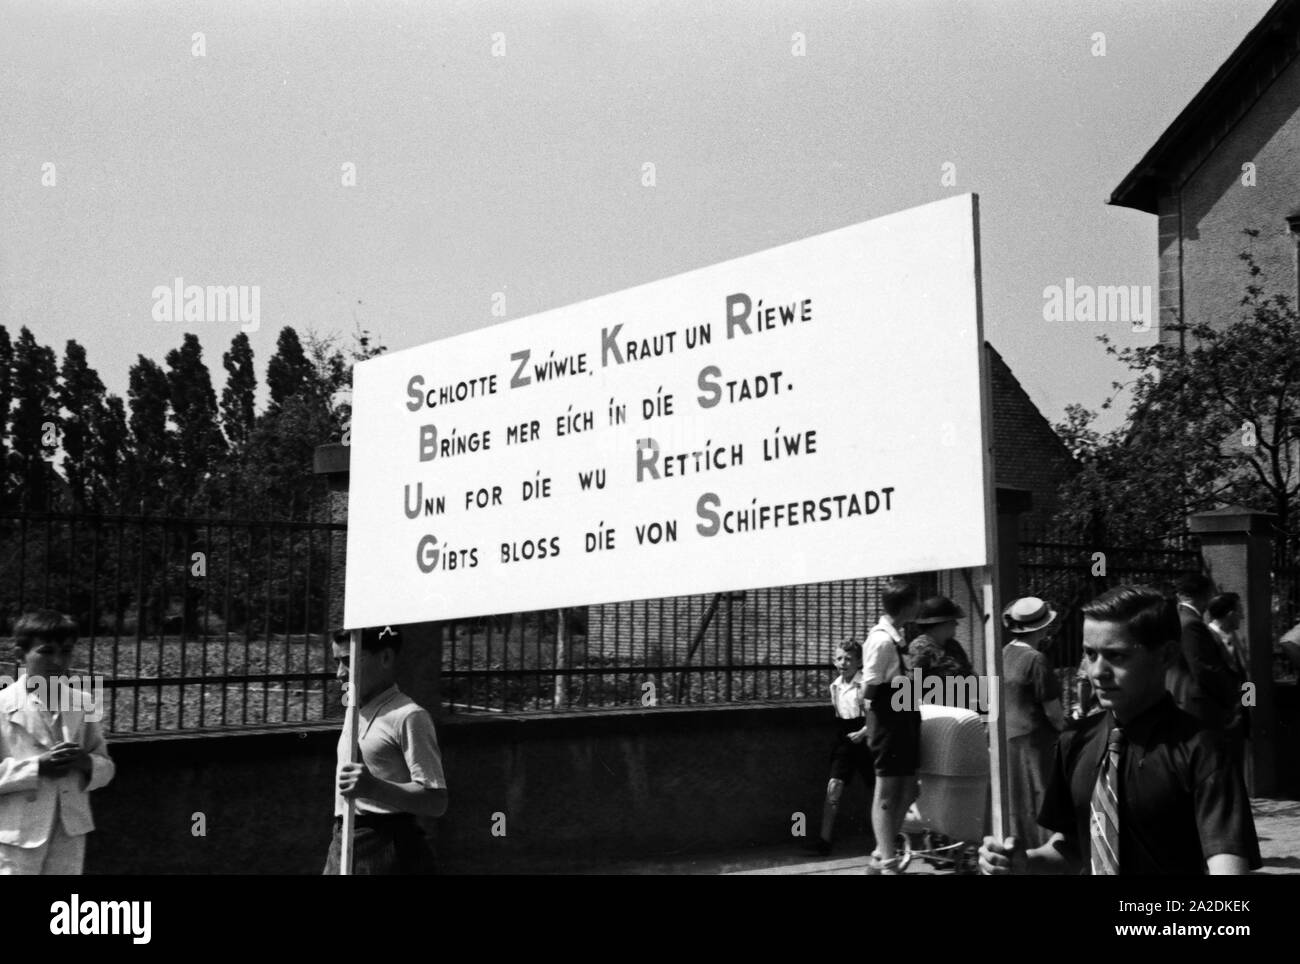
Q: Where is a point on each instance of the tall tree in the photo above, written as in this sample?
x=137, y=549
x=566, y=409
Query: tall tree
x=110, y=443
x=237, y=398
x=289, y=372
x=1213, y=424
x=198, y=443
x=310, y=382
x=6, y=400
x=34, y=422
x=81, y=398
x=150, y=448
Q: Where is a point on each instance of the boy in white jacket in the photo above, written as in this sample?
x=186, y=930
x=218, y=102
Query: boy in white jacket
x=52, y=753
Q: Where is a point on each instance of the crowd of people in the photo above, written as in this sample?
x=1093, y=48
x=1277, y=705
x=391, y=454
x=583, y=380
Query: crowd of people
x=1146, y=778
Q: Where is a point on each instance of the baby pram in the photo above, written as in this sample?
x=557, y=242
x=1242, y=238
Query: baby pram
x=947, y=822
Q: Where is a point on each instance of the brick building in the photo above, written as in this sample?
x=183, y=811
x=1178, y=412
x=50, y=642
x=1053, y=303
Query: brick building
x=1229, y=162
x=1027, y=452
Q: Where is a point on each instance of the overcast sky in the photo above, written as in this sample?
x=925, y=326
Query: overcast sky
x=522, y=174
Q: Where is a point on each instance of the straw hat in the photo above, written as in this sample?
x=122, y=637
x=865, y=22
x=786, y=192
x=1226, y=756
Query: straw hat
x=1028, y=615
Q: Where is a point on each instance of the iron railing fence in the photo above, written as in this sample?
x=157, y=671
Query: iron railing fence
x=1070, y=573
x=737, y=647
x=188, y=622
x=1286, y=605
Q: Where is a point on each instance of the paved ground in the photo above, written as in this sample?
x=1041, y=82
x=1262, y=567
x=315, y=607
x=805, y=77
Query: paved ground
x=1278, y=824
x=1276, y=821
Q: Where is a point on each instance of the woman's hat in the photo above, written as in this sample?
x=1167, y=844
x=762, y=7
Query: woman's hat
x=938, y=609
x=1028, y=615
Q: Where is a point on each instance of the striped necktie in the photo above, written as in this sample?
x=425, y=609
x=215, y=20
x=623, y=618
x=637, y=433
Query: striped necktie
x=1104, y=809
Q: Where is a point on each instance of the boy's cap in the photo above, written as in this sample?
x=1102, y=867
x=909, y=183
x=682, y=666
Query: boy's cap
x=372, y=637
x=938, y=609
x=377, y=637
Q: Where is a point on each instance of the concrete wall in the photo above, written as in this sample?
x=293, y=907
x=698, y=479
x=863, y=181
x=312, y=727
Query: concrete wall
x=573, y=789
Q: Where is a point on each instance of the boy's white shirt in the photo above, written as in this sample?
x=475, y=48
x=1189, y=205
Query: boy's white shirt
x=879, y=653
x=839, y=687
x=29, y=802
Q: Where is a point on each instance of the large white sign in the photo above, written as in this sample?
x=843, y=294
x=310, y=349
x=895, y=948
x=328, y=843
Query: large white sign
x=807, y=413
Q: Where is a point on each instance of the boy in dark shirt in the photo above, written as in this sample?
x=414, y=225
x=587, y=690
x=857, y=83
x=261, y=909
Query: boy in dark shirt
x=1141, y=788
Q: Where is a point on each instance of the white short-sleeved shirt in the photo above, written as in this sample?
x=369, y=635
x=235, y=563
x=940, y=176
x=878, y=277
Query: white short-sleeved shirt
x=880, y=663
x=397, y=743
x=847, y=696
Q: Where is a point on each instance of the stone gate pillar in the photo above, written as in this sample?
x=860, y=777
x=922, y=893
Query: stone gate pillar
x=1237, y=547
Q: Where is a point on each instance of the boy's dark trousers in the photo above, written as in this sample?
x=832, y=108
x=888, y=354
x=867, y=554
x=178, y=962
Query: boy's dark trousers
x=383, y=844
x=848, y=757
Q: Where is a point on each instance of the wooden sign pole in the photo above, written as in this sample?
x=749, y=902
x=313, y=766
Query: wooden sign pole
x=350, y=727
x=992, y=602
x=997, y=721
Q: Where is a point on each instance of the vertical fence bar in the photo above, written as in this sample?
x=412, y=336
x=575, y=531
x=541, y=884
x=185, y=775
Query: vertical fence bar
x=487, y=664
x=162, y=635
x=559, y=662
x=207, y=624
x=306, y=615
x=716, y=661
x=225, y=629
x=266, y=626
x=117, y=618
x=659, y=654
x=139, y=624
x=72, y=550
x=186, y=571
x=451, y=634
x=94, y=596
x=730, y=641
x=327, y=625
x=288, y=617
x=677, y=605
x=248, y=620
x=600, y=657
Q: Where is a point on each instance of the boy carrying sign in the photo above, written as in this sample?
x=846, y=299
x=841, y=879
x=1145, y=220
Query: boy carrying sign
x=400, y=774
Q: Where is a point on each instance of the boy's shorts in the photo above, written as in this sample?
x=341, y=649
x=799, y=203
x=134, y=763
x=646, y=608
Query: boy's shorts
x=383, y=844
x=895, y=740
x=848, y=757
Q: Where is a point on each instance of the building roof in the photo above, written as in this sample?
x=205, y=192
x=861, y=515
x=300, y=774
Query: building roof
x=1007, y=393
x=1235, y=87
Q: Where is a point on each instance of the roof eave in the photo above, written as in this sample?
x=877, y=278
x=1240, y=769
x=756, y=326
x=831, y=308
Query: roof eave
x=1140, y=188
